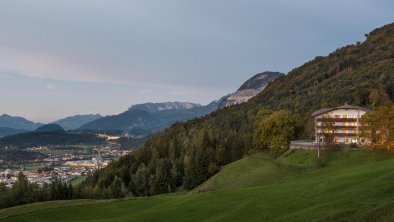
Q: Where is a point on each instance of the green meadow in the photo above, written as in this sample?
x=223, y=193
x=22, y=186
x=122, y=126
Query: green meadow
x=350, y=186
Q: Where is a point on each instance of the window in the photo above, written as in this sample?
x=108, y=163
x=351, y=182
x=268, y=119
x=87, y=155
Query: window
x=345, y=116
x=337, y=140
x=354, y=140
x=346, y=140
x=337, y=116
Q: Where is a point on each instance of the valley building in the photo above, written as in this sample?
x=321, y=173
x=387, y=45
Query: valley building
x=342, y=121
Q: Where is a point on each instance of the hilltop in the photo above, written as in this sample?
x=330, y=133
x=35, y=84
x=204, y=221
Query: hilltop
x=49, y=128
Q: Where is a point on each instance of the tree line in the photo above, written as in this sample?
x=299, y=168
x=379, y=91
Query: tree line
x=24, y=192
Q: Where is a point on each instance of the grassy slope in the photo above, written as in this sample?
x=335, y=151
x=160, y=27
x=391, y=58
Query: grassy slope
x=354, y=186
x=76, y=181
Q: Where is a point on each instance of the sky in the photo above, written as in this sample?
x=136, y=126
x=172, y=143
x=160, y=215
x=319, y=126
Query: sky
x=68, y=57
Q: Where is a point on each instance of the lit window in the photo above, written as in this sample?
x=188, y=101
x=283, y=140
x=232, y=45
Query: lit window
x=337, y=116
x=345, y=116
x=346, y=140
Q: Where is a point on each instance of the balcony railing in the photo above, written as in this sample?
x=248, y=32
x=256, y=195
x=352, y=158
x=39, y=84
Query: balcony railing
x=342, y=134
x=336, y=120
x=337, y=127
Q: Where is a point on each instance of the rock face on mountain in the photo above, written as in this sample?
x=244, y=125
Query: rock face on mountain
x=157, y=107
x=250, y=88
x=19, y=123
x=74, y=122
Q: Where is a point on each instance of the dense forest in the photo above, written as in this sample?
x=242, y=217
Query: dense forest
x=186, y=154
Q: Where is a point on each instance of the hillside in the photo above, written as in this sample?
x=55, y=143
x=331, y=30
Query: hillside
x=74, y=122
x=346, y=75
x=250, y=88
x=20, y=155
x=6, y=131
x=353, y=186
x=31, y=139
x=195, y=150
x=49, y=128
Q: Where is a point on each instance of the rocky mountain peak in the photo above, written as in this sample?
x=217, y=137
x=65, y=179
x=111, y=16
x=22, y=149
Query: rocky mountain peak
x=250, y=88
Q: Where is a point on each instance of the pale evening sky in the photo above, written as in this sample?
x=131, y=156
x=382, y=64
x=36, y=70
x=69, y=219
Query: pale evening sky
x=67, y=57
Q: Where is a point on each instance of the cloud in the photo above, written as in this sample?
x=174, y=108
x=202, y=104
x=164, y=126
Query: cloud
x=50, y=87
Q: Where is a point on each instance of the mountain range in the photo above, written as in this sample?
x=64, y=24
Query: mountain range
x=150, y=117
x=11, y=125
x=154, y=117
x=157, y=107
x=20, y=123
x=144, y=119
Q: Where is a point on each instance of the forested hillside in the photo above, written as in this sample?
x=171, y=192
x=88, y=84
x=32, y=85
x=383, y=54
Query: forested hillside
x=188, y=153
x=346, y=75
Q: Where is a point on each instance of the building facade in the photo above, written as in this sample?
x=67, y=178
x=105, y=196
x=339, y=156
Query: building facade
x=342, y=122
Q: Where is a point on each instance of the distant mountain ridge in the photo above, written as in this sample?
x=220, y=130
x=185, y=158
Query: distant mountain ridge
x=157, y=107
x=142, y=119
x=123, y=121
x=75, y=122
x=251, y=88
x=19, y=123
x=151, y=117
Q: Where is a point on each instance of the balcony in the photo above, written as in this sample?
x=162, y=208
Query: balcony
x=342, y=134
x=350, y=120
x=338, y=127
